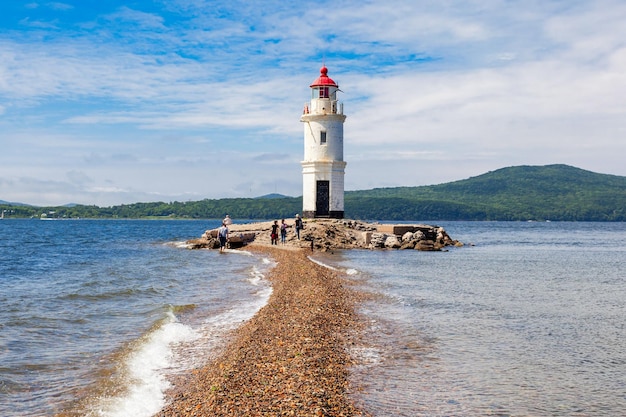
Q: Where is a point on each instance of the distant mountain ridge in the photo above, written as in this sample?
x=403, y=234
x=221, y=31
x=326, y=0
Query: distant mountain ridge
x=9, y=203
x=519, y=193
x=551, y=192
x=272, y=196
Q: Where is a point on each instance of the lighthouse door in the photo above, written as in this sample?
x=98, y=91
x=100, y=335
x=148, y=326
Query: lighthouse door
x=322, y=201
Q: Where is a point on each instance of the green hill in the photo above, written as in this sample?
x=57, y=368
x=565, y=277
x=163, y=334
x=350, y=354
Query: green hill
x=552, y=192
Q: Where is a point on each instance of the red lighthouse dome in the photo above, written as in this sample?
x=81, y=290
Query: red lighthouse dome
x=324, y=79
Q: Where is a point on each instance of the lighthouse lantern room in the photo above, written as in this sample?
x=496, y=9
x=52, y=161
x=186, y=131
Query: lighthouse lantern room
x=323, y=167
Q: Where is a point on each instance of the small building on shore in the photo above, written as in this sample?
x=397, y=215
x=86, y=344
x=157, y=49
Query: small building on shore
x=323, y=167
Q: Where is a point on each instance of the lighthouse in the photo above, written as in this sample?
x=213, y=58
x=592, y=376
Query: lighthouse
x=323, y=167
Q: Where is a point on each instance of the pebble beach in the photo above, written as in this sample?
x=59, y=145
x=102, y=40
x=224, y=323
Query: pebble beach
x=290, y=359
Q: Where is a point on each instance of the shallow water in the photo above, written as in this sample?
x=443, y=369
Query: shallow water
x=529, y=322
x=97, y=314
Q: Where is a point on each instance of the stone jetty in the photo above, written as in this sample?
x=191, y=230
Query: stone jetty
x=292, y=358
x=333, y=234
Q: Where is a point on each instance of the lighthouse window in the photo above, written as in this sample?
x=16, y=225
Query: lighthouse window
x=322, y=137
x=323, y=92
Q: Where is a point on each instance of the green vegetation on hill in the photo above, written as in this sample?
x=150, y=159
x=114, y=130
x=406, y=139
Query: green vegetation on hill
x=240, y=208
x=552, y=192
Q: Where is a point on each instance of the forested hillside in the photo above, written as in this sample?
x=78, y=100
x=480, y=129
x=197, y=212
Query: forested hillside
x=552, y=192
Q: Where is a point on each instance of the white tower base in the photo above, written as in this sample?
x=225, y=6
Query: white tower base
x=322, y=187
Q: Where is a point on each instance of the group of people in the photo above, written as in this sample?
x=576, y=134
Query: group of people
x=222, y=232
x=282, y=229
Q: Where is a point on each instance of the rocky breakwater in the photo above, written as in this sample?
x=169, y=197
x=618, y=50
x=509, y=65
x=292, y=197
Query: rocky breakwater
x=419, y=237
x=330, y=234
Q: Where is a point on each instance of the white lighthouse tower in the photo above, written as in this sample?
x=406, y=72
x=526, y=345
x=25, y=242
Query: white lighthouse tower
x=323, y=167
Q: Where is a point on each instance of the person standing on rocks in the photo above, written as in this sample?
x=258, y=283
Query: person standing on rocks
x=275, y=233
x=283, y=232
x=227, y=220
x=299, y=225
x=222, y=235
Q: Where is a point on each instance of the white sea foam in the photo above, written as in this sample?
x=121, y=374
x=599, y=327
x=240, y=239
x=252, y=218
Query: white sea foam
x=215, y=326
x=181, y=244
x=322, y=264
x=239, y=251
x=256, y=276
x=263, y=294
x=233, y=317
x=349, y=271
x=144, y=370
x=174, y=347
x=366, y=355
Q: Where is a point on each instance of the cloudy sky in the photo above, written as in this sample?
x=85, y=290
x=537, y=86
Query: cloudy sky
x=109, y=102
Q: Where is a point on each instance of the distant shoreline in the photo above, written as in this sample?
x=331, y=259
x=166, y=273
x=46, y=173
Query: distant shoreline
x=552, y=192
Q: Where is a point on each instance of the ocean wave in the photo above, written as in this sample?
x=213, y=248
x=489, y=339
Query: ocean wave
x=180, y=309
x=143, y=371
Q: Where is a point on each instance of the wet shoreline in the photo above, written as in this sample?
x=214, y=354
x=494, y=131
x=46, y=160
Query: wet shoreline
x=291, y=358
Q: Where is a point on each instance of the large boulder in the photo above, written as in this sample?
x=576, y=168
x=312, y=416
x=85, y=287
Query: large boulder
x=409, y=244
x=426, y=245
x=392, y=242
x=378, y=240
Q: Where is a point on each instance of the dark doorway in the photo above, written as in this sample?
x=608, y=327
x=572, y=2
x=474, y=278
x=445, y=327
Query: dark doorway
x=322, y=201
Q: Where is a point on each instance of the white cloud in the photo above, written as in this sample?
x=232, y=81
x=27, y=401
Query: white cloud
x=142, y=19
x=59, y=6
x=129, y=105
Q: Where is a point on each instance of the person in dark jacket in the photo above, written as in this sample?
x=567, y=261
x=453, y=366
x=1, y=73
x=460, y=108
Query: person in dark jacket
x=299, y=225
x=274, y=236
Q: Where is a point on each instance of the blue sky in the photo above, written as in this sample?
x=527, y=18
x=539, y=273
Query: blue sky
x=109, y=102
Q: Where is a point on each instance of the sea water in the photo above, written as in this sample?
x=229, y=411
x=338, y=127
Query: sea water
x=528, y=319
x=97, y=316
